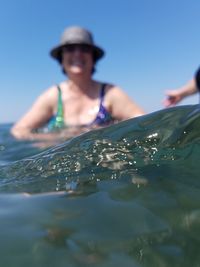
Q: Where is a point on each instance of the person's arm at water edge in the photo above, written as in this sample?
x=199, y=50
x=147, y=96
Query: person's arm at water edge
x=175, y=96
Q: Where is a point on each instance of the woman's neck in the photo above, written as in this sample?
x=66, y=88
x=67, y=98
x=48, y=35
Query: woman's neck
x=84, y=86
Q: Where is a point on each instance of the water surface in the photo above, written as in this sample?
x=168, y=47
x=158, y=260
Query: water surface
x=125, y=195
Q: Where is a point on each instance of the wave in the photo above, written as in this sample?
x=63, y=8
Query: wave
x=136, y=149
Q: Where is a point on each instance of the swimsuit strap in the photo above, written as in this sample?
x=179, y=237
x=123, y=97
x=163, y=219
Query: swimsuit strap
x=58, y=121
x=60, y=104
x=103, y=116
x=102, y=93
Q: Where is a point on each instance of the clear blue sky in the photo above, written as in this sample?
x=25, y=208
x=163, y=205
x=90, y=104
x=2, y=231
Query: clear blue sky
x=151, y=46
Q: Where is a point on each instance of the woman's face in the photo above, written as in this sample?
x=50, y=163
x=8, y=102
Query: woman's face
x=77, y=59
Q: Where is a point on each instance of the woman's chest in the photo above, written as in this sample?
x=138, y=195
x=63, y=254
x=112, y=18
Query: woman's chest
x=80, y=110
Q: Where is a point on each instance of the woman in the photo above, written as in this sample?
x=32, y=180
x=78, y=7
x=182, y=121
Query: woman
x=177, y=95
x=78, y=103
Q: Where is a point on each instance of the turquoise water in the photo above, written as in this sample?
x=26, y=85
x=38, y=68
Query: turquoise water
x=126, y=195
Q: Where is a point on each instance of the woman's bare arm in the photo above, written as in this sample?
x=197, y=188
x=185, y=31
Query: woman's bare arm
x=122, y=107
x=38, y=115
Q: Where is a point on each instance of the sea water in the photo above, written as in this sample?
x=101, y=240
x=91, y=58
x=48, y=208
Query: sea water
x=125, y=195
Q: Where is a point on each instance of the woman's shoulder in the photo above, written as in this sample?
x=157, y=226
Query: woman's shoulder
x=112, y=89
x=111, y=92
x=51, y=90
x=107, y=85
x=49, y=95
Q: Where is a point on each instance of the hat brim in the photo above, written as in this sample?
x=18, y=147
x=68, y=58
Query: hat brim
x=56, y=52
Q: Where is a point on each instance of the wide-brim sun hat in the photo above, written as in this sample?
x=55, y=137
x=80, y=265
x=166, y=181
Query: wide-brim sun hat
x=76, y=35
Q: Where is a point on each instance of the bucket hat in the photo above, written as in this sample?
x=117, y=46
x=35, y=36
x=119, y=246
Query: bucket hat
x=76, y=35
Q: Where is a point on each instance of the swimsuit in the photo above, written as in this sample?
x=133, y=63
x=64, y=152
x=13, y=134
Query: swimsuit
x=103, y=116
x=57, y=121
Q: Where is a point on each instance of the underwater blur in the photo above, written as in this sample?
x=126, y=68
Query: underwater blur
x=124, y=195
